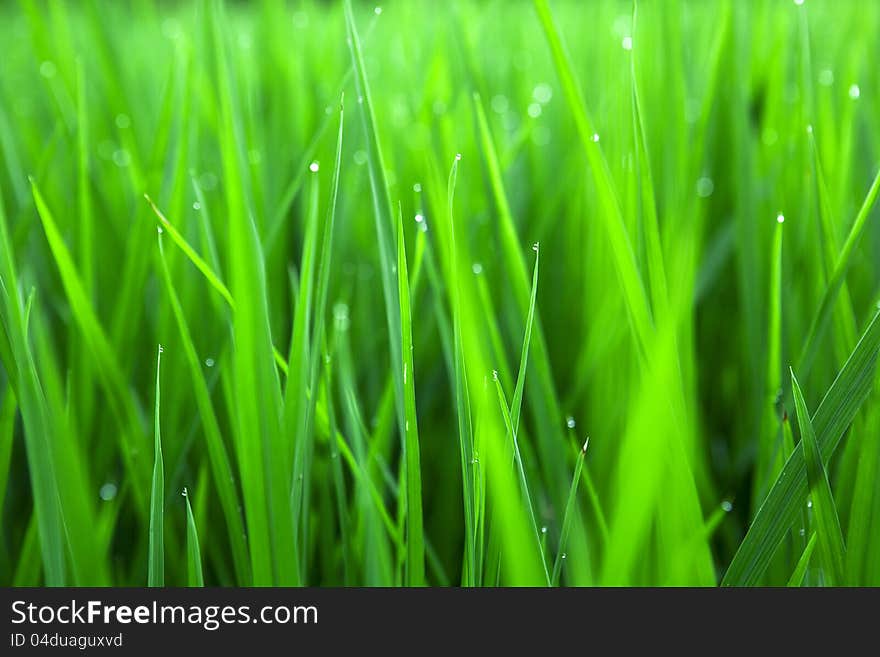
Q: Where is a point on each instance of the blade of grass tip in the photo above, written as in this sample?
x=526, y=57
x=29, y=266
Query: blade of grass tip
x=190, y=253
x=415, y=547
x=518, y=391
x=831, y=545
x=785, y=499
x=221, y=469
x=800, y=569
x=568, y=515
x=156, y=553
x=193, y=553
x=523, y=480
x=462, y=400
x=836, y=280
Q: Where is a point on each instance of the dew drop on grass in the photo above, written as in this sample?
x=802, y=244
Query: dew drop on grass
x=705, y=187
x=569, y=422
x=420, y=218
x=534, y=110
x=854, y=91
x=564, y=556
x=544, y=529
x=542, y=93
x=627, y=43
x=826, y=77
x=209, y=362
x=360, y=157
x=377, y=11
x=108, y=491
x=458, y=157
x=48, y=69
x=159, y=229
x=314, y=166
x=809, y=129
x=184, y=492
x=417, y=187
x=595, y=137
x=477, y=268
x=494, y=375
x=197, y=206
x=802, y=531
x=780, y=218
x=809, y=504
x=500, y=104
x=799, y=2
x=726, y=506
x=536, y=246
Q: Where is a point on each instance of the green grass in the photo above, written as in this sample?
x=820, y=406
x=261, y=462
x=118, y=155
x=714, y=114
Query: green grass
x=366, y=378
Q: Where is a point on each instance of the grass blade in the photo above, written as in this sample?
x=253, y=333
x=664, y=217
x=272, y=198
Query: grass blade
x=415, y=547
x=156, y=552
x=828, y=529
x=800, y=570
x=567, y=516
x=782, y=505
x=193, y=553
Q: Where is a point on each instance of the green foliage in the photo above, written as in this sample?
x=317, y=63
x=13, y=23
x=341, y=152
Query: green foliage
x=363, y=380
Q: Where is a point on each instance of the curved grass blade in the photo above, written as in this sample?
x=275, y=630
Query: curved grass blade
x=567, y=516
x=836, y=280
x=782, y=505
x=415, y=542
x=156, y=552
x=831, y=545
x=800, y=569
x=193, y=553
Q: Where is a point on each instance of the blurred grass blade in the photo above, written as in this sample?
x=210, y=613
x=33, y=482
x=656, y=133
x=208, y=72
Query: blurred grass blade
x=193, y=553
x=415, y=548
x=156, y=552
x=836, y=280
x=780, y=509
x=831, y=545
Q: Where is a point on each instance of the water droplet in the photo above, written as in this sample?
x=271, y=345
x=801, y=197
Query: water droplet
x=809, y=129
x=564, y=556
x=780, y=218
x=159, y=229
x=799, y=2
x=121, y=158
x=536, y=246
x=569, y=422
x=209, y=362
x=417, y=188
x=377, y=11
x=495, y=375
x=726, y=506
x=477, y=268
x=340, y=315
x=802, y=531
x=458, y=157
x=826, y=77
x=809, y=504
x=595, y=137
x=360, y=100
x=161, y=349
x=542, y=93
x=586, y=444
x=314, y=166
x=184, y=492
x=360, y=157
x=108, y=491
x=500, y=104
x=705, y=187
x=854, y=91
x=420, y=218
x=197, y=206
x=122, y=121
x=48, y=69
x=544, y=530
x=534, y=110
x=627, y=43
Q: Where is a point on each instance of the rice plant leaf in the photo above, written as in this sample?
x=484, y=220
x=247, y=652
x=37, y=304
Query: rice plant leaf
x=415, y=548
x=568, y=515
x=193, y=553
x=156, y=551
x=779, y=510
x=800, y=569
x=831, y=544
